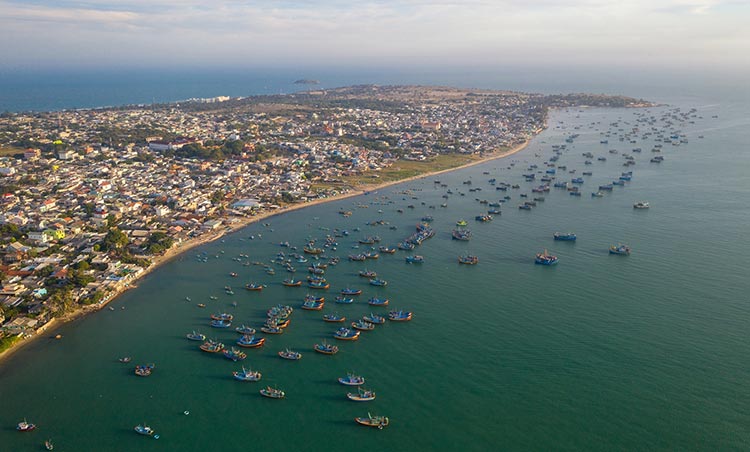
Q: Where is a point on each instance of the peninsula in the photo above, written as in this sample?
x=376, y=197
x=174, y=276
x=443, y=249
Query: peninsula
x=92, y=199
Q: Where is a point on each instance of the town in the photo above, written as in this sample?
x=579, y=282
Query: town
x=92, y=198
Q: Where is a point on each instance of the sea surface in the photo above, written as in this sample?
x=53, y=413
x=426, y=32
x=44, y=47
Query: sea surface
x=649, y=351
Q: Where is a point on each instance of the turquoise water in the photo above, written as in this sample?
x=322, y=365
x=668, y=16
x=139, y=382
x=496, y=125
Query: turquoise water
x=647, y=351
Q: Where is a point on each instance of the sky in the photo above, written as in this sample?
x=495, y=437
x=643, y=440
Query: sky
x=682, y=34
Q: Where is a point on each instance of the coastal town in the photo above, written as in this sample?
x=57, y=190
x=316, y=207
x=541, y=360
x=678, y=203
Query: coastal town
x=92, y=199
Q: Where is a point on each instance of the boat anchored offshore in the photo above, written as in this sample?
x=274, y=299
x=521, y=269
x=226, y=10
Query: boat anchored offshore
x=334, y=318
x=326, y=349
x=545, y=258
x=144, y=371
x=468, y=260
x=399, y=316
x=290, y=355
x=373, y=421
x=567, y=236
x=194, y=336
x=143, y=429
x=346, y=334
x=641, y=205
x=362, y=395
x=250, y=341
x=352, y=380
x=272, y=393
x=25, y=426
x=246, y=375
x=619, y=249
x=378, y=301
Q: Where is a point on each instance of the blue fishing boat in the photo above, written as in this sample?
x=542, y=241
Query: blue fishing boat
x=235, y=354
x=334, y=318
x=416, y=259
x=545, y=258
x=352, y=380
x=250, y=341
x=619, y=249
x=290, y=355
x=483, y=218
x=220, y=323
x=312, y=305
x=245, y=330
x=194, y=336
x=363, y=325
x=246, y=375
x=350, y=291
x=344, y=300
x=378, y=301
x=326, y=349
x=461, y=234
x=368, y=274
x=568, y=236
x=378, y=282
x=318, y=285
x=597, y=194
x=362, y=395
x=346, y=334
x=374, y=319
x=468, y=260
x=272, y=393
x=399, y=316
x=143, y=429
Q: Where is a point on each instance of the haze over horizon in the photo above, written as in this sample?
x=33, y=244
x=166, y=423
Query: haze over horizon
x=701, y=35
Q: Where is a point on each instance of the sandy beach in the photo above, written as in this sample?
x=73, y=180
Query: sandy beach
x=239, y=223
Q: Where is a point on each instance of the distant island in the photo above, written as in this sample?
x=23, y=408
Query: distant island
x=306, y=81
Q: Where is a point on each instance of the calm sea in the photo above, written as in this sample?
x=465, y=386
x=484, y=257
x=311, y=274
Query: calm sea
x=647, y=351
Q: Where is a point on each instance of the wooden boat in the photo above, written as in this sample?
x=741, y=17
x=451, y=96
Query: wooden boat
x=221, y=323
x=363, y=325
x=48, y=445
x=344, y=300
x=399, y=316
x=25, y=426
x=223, y=316
x=374, y=319
x=386, y=250
x=362, y=395
x=619, y=249
x=335, y=318
x=250, y=341
x=378, y=282
x=318, y=285
x=272, y=393
x=326, y=349
x=271, y=329
x=368, y=274
x=201, y=305
x=144, y=371
x=246, y=375
x=212, y=346
x=194, y=336
x=352, y=380
x=415, y=259
x=312, y=305
x=143, y=429
x=254, y=286
x=309, y=297
x=291, y=283
x=378, y=301
x=349, y=291
x=346, y=334
x=245, y=330
x=373, y=421
x=125, y=359
x=235, y=354
x=545, y=258
x=291, y=355
x=568, y=236
x=468, y=260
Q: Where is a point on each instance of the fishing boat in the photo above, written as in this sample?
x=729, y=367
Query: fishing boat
x=291, y=283
x=374, y=319
x=373, y=421
x=290, y=354
x=211, y=346
x=250, y=341
x=461, y=222
x=468, y=260
x=220, y=323
x=309, y=297
x=352, y=380
x=318, y=285
x=368, y=274
x=346, y=334
x=363, y=325
x=567, y=236
x=144, y=371
x=545, y=258
x=201, y=305
x=406, y=246
x=125, y=359
x=349, y=291
x=399, y=316
x=143, y=429
x=597, y=194
x=235, y=354
x=245, y=330
x=619, y=249
x=246, y=375
x=371, y=255
x=344, y=300
x=386, y=249
x=312, y=305
x=357, y=257
x=362, y=395
x=378, y=282
x=641, y=205
x=333, y=318
x=223, y=316
x=48, y=445
x=194, y=336
x=272, y=393
x=378, y=301
x=25, y=426
x=254, y=286
x=312, y=250
x=483, y=218
x=326, y=349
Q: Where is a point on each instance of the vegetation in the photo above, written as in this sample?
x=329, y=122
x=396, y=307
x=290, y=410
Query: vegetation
x=8, y=342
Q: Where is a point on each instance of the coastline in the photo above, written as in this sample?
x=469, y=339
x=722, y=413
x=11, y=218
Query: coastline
x=242, y=222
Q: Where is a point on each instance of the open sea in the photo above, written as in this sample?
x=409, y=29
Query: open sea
x=642, y=352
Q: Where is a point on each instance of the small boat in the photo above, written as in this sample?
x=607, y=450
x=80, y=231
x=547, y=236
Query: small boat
x=363, y=325
x=211, y=346
x=290, y=354
x=194, y=336
x=254, y=286
x=374, y=319
x=597, y=195
x=318, y=285
x=326, y=349
x=416, y=259
x=271, y=329
x=545, y=259
x=568, y=236
x=349, y=291
x=386, y=249
x=272, y=393
x=352, y=380
x=245, y=330
x=223, y=316
x=48, y=444
x=346, y=334
x=378, y=301
x=334, y=318
x=373, y=421
x=468, y=260
x=25, y=426
x=142, y=429
x=312, y=305
x=220, y=323
x=641, y=205
x=291, y=283
x=399, y=316
x=250, y=341
x=144, y=371
x=483, y=218
x=235, y=354
x=125, y=359
x=246, y=375
x=201, y=305
x=378, y=282
x=619, y=249
x=461, y=222
x=344, y=300
x=362, y=395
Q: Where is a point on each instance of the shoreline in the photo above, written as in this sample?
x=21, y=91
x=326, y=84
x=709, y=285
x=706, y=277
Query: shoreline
x=229, y=228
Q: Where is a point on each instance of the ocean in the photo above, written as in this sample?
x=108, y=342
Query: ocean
x=646, y=351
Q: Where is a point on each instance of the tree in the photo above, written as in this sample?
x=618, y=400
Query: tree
x=114, y=240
